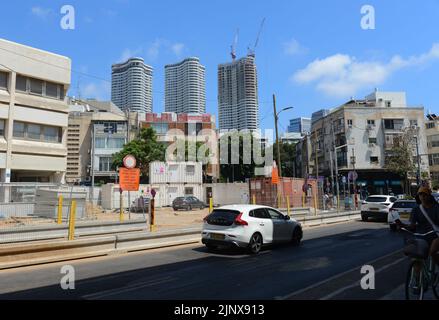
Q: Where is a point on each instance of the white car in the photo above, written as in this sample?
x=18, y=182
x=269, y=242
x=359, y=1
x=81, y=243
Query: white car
x=249, y=226
x=377, y=207
x=400, y=210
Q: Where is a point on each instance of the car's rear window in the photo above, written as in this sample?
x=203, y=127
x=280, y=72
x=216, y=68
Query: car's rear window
x=404, y=204
x=220, y=217
x=376, y=199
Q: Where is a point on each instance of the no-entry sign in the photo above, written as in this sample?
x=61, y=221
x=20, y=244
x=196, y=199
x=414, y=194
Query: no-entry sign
x=129, y=179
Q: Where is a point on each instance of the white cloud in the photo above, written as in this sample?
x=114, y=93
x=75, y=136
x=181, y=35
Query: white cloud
x=160, y=44
x=341, y=75
x=177, y=48
x=293, y=47
x=100, y=91
x=128, y=53
x=40, y=12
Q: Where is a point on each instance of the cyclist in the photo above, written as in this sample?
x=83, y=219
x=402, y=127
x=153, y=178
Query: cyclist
x=420, y=224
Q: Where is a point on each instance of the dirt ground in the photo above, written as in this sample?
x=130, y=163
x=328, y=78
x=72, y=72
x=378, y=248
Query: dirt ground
x=165, y=218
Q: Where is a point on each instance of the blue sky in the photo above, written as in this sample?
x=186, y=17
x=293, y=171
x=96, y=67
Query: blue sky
x=311, y=54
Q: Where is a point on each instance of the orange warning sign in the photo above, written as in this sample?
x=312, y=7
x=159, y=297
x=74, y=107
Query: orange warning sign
x=129, y=179
x=274, y=175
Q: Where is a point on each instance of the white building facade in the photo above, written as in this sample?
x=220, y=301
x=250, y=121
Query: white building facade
x=33, y=114
x=131, y=86
x=185, y=87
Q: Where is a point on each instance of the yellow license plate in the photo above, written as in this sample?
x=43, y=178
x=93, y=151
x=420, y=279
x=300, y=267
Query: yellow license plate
x=216, y=236
x=374, y=209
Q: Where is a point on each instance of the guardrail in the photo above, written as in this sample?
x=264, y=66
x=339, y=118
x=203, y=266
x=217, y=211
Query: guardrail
x=82, y=229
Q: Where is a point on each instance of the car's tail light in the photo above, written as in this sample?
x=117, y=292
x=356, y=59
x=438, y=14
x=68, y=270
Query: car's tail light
x=239, y=221
x=205, y=218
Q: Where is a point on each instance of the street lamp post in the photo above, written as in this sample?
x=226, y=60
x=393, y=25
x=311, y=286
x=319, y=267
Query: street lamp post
x=276, y=119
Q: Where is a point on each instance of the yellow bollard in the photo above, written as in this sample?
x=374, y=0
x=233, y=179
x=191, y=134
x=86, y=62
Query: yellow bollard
x=72, y=221
x=210, y=205
x=60, y=199
x=254, y=199
x=279, y=200
x=303, y=199
x=288, y=206
x=315, y=203
x=121, y=207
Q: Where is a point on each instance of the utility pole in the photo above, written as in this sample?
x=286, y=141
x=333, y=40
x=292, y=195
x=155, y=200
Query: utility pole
x=418, y=180
x=336, y=164
x=354, y=178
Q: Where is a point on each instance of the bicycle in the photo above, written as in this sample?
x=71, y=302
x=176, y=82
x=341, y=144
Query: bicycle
x=417, y=283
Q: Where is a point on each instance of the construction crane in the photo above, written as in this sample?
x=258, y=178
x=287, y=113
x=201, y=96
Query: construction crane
x=235, y=43
x=251, y=51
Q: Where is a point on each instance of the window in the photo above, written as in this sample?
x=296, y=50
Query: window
x=430, y=125
x=100, y=143
x=393, y=124
x=2, y=127
x=3, y=80
x=388, y=104
x=34, y=131
x=350, y=123
x=115, y=143
x=189, y=191
x=160, y=128
x=371, y=122
x=190, y=170
x=36, y=86
x=413, y=123
x=372, y=140
x=37, y=132
x=19, y=129
x=274, y=214
x=51, y=90
x=21, y=83
x=374, y=160
x=261, y=214
x=52, y=134
x=105, y=164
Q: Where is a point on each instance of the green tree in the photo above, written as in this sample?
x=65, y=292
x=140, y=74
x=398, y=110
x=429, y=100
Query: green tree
x=287, y=154
x=145, y=149
x=399, y=159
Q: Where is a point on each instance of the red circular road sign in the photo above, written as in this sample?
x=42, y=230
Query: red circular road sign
x=129, y=162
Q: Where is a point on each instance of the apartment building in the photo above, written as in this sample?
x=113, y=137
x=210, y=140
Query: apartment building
x=238, y=105
x=432, y=131
x=131, y=85
x=185, y=87
x=364, y=131
x=33, y=114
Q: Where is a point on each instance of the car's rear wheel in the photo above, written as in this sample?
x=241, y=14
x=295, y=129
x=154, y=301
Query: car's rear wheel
x=297, y=236
x=392, y=227
x=364, y=217
x=255, y=244
x=189, y=208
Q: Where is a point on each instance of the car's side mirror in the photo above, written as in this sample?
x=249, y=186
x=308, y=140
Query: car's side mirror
x=287, y=217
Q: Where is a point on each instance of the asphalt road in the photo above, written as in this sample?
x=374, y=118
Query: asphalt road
x=325, y=266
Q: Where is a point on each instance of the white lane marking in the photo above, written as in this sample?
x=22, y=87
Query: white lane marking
x=106, y=293
x=330, y=279
x=357, y=283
